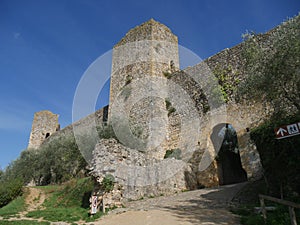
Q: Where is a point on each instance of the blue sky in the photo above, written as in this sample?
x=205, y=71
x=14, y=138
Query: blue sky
x=46, y=46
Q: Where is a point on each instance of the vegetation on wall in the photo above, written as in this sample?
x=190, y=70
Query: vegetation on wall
x=106, y=132
x=167, y=74
x=107, y=183
x=169, y=107
x=228, y=80
x=128, y=79
x=173, y=153
x=272, y=66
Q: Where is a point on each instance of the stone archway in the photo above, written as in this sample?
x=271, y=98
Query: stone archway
x=229, y=165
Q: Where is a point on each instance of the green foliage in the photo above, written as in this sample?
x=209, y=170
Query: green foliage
x=128, y=79
x=167, y=74
x=68, y=203
x=54, y=162
x=106, y=132
x=272, y=66
x=280, y=158
x=278, y=217
x=9, y=190
x=14, y=207
x=107, y=183
x=169, y=107
x=76, y=192
x=228, y=80
x=23, y=222
x=173, y=153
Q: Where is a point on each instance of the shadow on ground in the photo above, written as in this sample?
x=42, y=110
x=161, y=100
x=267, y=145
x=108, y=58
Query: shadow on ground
x=210, y=206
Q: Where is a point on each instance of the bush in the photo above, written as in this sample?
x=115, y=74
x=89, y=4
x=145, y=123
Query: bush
x=280, y=158
x=9, y=190
x=57, y=161
x=108, y=183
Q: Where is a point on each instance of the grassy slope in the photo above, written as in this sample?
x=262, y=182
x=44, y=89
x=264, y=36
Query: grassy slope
x=13, y=208
x=68, y=202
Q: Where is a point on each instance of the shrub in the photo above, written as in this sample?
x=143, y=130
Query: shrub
x=106, y=132
x=108, y=183
x=280, y=158
x=9, y=190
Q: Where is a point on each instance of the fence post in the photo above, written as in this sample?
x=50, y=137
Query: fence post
x=263, y=208
x=103, y=205
x=292, y=215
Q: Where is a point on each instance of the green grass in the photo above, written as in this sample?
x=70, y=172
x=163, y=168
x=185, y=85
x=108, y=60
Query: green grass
x=71, y=214
x=249, y=195
x=68, y=202
x=23, y=222
x=13, y=208
x=278, y=217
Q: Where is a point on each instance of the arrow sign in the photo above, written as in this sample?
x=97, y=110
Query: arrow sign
x=281, y=132
x=287, y=130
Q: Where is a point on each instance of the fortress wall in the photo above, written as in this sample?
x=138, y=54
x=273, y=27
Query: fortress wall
x=128, y=73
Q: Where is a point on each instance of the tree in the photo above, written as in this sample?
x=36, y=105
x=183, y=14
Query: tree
x=273, y=66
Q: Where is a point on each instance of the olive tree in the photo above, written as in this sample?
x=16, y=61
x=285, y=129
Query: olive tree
x=273, y=66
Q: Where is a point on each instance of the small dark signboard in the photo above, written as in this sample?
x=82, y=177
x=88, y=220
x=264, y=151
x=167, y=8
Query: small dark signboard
x=287, y=130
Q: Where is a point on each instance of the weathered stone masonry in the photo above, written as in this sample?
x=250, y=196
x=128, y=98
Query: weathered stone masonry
x=158, y=58
x=44, y=124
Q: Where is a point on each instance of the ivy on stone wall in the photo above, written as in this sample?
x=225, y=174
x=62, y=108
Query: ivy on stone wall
x=228, y=80
x=169, y=107
x=173, y=153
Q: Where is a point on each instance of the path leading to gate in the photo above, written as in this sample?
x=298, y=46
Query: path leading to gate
x=201, y=207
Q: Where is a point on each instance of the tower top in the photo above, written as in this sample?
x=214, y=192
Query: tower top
x=149, y=30
x=44, y=124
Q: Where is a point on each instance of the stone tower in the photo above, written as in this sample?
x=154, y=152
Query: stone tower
x=147, y=52
x=44, y=124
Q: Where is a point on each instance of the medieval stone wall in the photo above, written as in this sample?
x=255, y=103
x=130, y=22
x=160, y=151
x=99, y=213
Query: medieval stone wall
x=44, y=124
x=85, y=124
x=150, y=50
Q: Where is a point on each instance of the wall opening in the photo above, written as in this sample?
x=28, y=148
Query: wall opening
x=228, y=159
x=47, y=135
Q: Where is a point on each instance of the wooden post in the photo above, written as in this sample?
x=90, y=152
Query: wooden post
x=103, y=205
x=263, y=208
x=292, y=215
x=291, y=206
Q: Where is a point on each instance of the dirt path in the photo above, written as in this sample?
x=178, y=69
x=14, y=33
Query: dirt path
x=201, y=207
x=34, y=198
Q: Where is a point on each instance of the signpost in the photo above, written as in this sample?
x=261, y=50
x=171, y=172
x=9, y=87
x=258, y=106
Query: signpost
x=287, y=130
x=94, y=205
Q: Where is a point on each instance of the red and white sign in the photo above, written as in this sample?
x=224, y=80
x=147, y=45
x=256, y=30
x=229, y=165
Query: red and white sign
x=287, y=130
x=94, y=204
